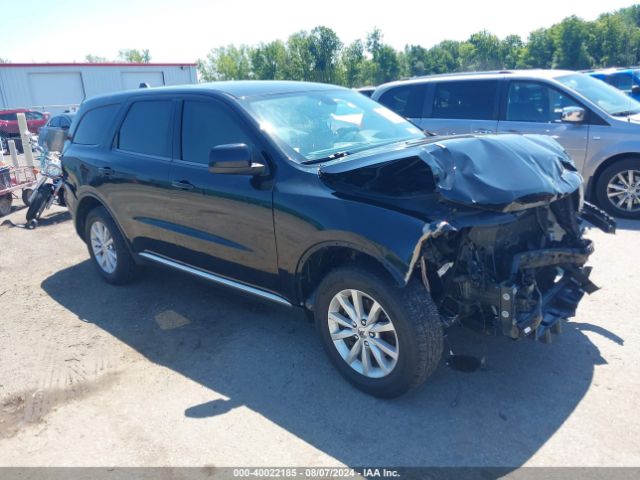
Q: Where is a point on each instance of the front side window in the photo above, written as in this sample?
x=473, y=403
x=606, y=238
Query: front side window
x=315, y=126
x=536, y=102
x=405, y=100
x=206, y=125
x=94, y=124
x=33, y=116
x=472, y=100
x=54, y=122
x=147, y=128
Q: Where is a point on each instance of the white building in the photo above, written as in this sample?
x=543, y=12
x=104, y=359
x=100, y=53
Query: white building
x=56, y=87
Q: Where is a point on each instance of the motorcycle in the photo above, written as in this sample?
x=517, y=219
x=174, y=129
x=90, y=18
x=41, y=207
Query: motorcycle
x=49, y=186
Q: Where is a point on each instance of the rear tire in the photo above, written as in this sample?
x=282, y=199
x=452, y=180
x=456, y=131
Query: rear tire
x=39, y=201
x=26, y=194
x=408, y=319
x=5, y=204
x=107, y=248
x=613, y=186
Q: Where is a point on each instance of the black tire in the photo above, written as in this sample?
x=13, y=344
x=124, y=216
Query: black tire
x=605, y=177
x=125, y=265
x=39, y=201
x=415, y=319
x=26, y=193
x=5, y=204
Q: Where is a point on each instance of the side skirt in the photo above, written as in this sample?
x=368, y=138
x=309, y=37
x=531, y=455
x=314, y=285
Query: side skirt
x=214, y=278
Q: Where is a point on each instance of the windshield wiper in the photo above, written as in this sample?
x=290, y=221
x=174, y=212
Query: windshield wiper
x=333, y=156
x=625, y=113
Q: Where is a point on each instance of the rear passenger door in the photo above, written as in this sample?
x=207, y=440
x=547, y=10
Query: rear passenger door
x=133, y=178
x=224, y=222
x=536, y=107
x=463, y=107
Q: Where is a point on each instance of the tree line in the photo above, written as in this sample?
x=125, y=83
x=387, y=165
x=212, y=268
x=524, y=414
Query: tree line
x=613, y=39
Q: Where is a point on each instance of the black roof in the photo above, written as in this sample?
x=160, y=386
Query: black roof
x=236, y=89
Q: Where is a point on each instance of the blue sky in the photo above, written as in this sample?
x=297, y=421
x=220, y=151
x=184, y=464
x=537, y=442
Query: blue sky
x=185, y=30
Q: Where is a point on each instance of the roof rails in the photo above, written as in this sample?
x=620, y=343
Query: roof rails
x=462, y=74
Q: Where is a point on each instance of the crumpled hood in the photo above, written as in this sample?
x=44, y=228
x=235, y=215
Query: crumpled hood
x=501, y=172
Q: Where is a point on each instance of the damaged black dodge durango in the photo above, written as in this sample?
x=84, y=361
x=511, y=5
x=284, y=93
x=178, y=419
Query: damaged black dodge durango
x=317, y=197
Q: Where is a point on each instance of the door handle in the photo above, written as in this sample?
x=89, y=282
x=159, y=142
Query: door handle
x=106, y=171
x=182, y=185
x=513, y=131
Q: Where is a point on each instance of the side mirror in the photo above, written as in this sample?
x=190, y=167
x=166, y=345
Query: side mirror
x=234, y=159
x=635, y=89
x=573, y=114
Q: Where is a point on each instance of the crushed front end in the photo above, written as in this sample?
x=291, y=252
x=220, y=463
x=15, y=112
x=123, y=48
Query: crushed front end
x=503, y=246
x=514, y=274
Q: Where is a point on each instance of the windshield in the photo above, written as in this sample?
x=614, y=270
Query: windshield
x=608, y=98
x=322, y=125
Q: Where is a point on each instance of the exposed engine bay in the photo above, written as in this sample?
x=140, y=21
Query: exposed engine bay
x=502, y=249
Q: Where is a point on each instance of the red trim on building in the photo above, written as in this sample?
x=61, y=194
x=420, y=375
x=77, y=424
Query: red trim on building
x=107, y=64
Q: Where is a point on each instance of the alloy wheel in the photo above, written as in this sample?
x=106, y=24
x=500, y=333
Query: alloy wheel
x=103, y=247
x=363, y=333
x=623, y=190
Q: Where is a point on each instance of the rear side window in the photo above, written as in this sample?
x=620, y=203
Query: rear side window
x=206, y=125
x=94, y=124
x=473, y=100
x=33, y=116
x=405, y=100
x=147, y=129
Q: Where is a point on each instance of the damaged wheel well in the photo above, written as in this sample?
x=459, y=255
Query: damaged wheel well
x=317, y=265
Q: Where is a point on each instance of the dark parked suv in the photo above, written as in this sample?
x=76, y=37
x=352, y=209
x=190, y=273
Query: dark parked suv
x=316, y=197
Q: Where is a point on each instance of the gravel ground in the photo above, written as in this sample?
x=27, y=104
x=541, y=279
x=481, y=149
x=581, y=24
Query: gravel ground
x=172, y=371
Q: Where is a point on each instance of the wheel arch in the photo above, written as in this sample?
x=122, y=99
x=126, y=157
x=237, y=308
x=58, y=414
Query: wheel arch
x=324, y=257
x=86, y=204
x=593, y=181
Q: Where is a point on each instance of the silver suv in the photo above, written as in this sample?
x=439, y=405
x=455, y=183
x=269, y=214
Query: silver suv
x=598, y=125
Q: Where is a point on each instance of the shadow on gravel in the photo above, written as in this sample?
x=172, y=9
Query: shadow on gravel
x=268, y=358
x=45, y=220
x=625, y=224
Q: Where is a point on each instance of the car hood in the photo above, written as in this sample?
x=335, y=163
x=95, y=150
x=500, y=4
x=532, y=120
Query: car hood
x=497, y=172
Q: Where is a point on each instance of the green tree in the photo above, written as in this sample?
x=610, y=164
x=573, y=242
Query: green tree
x=226, y=63
x=538, y=52
x=570, y=40
x=95, y=59
x=353, y=64
x=268, y=61
x=415, y=60
x=324, y=48
x=386, y=65
x=133, y=55
x=512, y=49
x=299, y=59
x=483, y=51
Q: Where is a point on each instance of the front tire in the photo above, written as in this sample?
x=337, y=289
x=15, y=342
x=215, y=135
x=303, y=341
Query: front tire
x=39, y=201
x=618, y=189
x=107, y=248
x=382, y=338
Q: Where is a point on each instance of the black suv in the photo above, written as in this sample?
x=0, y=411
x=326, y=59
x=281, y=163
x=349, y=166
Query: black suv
x=316, y=197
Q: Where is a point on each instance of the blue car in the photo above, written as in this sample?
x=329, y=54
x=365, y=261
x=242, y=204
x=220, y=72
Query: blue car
x=625, y=79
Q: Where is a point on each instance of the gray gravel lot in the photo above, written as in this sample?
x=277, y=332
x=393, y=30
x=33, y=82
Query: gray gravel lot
x=172, y=371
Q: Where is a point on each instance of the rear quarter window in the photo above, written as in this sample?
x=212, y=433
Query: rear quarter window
x=405, y=100
x=94, y=124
